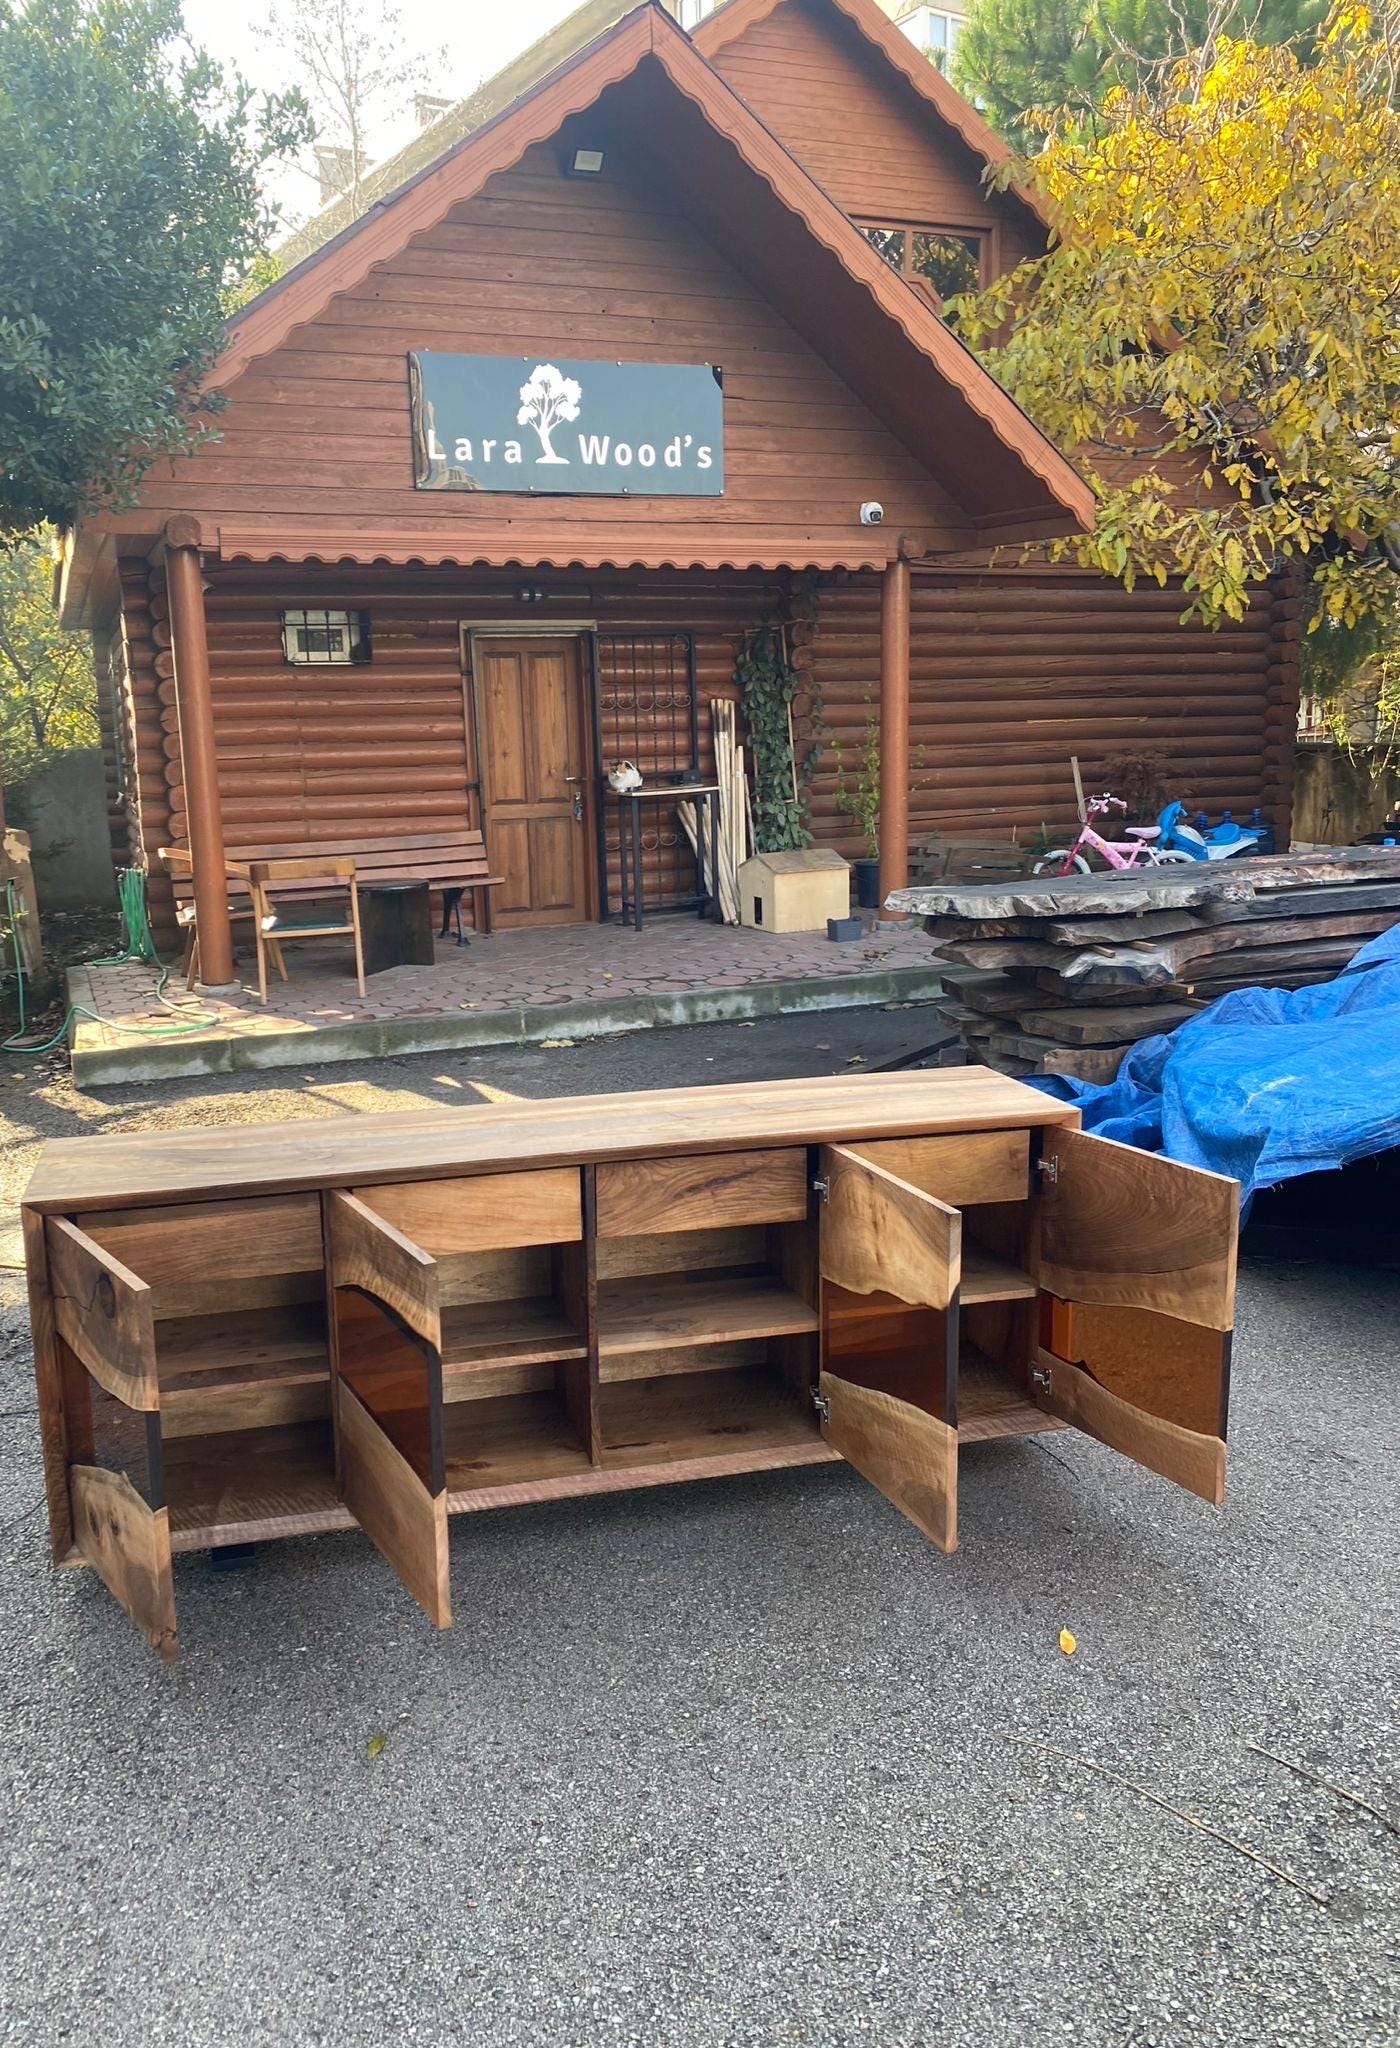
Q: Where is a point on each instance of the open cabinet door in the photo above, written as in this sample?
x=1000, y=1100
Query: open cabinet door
x=890, y=1262
x=1136, y=1260
x=386, y=1361
x=104, y=1332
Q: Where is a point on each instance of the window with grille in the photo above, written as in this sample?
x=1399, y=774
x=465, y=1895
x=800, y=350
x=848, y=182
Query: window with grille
x=940, y=261
x=322, y=639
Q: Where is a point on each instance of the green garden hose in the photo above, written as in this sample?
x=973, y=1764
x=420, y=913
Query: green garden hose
x=131, y=900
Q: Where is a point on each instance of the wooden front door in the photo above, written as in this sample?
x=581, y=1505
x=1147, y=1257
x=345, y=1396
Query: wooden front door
x=536, y=780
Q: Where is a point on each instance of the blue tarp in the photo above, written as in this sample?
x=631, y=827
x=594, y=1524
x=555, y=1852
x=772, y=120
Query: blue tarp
x=1265, y=1084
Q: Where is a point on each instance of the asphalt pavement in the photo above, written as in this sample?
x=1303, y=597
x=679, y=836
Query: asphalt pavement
x=741, y=1763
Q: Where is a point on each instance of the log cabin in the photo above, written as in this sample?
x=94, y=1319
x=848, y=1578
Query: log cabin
x=511, y=465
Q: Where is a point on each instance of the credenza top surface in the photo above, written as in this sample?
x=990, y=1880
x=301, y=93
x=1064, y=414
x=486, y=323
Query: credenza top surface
x=432, y=1143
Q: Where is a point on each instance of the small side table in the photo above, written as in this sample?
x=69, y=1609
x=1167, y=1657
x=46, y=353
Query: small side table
x=705, y=797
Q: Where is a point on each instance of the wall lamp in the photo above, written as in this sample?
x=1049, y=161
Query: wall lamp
x=584, y=163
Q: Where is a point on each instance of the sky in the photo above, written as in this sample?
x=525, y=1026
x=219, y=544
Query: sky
x=480, y=36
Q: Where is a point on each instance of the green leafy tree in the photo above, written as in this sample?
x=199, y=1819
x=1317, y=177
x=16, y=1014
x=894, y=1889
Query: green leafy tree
x=131, y=201
x=46, y=680
x=1025, y=62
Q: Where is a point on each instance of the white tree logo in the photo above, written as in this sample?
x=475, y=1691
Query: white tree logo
x=545, y=399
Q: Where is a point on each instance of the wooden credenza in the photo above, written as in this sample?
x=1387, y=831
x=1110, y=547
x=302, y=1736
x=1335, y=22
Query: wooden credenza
x=387, y=1320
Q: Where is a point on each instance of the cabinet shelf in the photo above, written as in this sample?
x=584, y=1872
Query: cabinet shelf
x=532, y=1331
x=986, y=1277
x=740, y=1417
x=652, y=1313
x=248, y=1485
x=992, y=1404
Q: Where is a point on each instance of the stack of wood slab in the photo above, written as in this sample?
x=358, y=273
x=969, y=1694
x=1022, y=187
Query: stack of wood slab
x=1070, y=971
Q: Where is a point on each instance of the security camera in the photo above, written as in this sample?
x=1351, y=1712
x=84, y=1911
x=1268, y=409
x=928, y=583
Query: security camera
x=872, y=513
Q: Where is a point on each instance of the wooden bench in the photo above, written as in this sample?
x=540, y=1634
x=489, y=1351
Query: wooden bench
x=450, y=861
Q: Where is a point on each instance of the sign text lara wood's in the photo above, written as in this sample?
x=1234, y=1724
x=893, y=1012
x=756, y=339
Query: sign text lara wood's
x=512, y=423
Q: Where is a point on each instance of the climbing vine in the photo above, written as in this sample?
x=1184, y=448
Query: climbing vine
x=769, y=683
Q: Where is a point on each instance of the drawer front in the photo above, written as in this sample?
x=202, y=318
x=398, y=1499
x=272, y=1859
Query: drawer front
x=208, y=1258
x=643, y=1197
x=961, y=1169
x=489, y=1212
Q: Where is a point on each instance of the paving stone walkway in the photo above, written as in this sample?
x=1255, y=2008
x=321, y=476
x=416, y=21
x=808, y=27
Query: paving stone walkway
x=574, y=980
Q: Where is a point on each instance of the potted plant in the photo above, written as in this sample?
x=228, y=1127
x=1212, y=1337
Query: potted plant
x=860, y=800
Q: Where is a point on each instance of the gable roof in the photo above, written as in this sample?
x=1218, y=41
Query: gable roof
x=887, y=343
x=490, y=98
x=733, y=18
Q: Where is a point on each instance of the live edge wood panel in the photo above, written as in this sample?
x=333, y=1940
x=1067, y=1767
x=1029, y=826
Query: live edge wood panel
x=390, y=1319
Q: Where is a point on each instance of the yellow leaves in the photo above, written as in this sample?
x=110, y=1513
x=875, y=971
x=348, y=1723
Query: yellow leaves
x=1068, y=1643
x=376, y=1746
x=1222, y=302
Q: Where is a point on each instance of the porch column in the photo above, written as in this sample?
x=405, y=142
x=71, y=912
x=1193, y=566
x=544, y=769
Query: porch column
x=189, y=644
x=894, y=730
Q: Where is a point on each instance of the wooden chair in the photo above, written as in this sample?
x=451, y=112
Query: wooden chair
x=274, y=926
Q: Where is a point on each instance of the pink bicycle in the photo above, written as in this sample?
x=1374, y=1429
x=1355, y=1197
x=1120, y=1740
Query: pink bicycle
x=1136, y=851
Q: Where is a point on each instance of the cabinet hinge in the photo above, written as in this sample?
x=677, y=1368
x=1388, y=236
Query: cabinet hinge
x=822, y=1405
x=821, y=1188
x=1043, y=1377
x=1049, y=1168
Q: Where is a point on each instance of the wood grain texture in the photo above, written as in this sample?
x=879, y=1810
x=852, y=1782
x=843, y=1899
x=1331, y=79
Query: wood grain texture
x=127, y=1543
x=879, y=1234
x=907, y=1454
x=103, y=1313
x=197, y=1257
x=574, y=1271
x=492, y=1212
x=638, y=1197
x=396, y=1511
x=684, y=1251
x=368, y=1253
x=1185, y=1456
x=987, y=1277
x=252, y=1486
x=980, y=1166
x=1129, y=1229
x=48, y=1382
x=86, y=1173
x=992, y=1406
x=643, y=1314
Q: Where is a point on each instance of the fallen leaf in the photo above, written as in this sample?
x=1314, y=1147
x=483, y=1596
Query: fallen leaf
x=376, y=1746
x=606, y=975
x=1068, y=1643
x=857, y=1059
x=555, y=1044
x=468, y=1006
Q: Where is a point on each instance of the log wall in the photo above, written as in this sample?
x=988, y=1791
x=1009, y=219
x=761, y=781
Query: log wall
x=1013, y=672
x=388, y=746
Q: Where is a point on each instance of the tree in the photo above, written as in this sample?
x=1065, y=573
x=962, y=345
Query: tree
x=355, y=64
x=46, y=682
x=1222, y=302
x=547, y=398
x=1027, y=61
x=129, y=198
